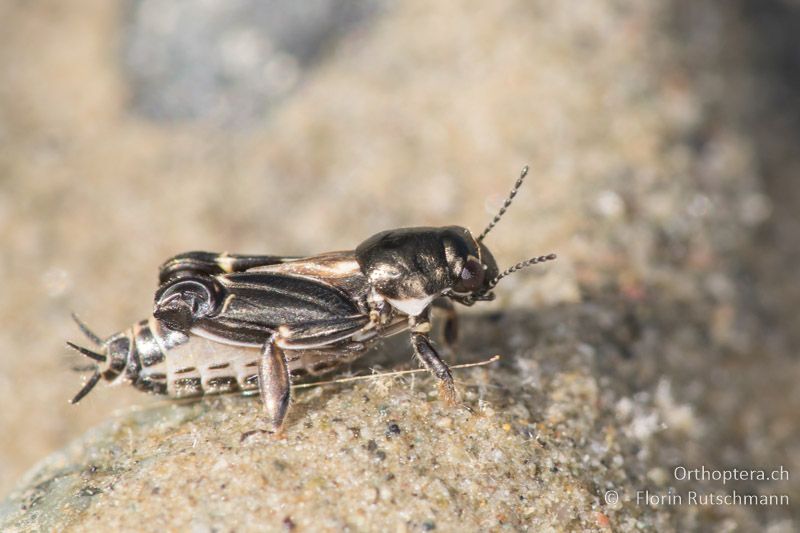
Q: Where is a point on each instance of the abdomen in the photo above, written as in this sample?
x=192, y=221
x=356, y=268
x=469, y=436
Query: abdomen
x=198, y=366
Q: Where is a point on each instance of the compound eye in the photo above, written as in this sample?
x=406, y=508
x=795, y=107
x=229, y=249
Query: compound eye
x=472, y=275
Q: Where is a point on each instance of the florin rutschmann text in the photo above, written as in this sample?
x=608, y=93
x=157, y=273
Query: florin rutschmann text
x=723, y=476
x=693, y=497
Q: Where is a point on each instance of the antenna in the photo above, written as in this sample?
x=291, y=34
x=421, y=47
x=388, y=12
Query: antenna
x=507, y=203
x=519, y=266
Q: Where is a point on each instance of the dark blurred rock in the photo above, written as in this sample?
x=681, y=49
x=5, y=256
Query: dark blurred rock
x=228, y=61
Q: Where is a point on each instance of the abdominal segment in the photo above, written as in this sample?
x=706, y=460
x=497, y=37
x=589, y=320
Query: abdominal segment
x=202, y=366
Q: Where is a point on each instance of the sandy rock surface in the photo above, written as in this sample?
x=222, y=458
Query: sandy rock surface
x=664, y=335
x=533, y=445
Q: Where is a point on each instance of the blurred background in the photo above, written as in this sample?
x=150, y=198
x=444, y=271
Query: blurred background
x=662, y=139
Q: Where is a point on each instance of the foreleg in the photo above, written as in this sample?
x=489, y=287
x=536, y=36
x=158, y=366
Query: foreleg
x=423, y=348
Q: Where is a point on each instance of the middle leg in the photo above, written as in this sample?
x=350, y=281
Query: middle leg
x=423, y=348
x=450, y=327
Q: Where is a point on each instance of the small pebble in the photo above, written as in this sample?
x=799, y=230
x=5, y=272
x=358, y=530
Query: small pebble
x=392, y=430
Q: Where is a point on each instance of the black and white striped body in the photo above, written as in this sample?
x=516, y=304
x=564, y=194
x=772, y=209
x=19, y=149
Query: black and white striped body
x=155, y=359
x=321, y=308
x=226, y=323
